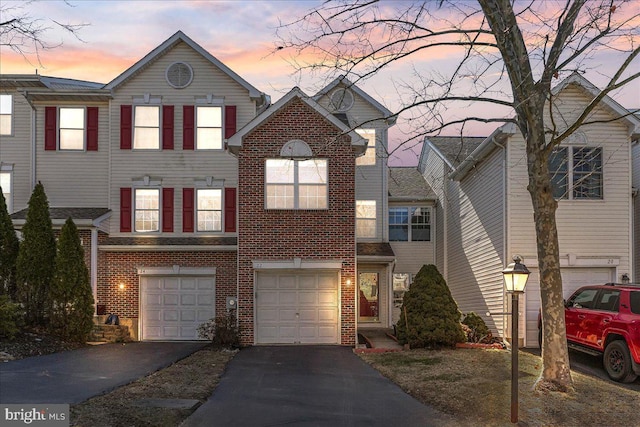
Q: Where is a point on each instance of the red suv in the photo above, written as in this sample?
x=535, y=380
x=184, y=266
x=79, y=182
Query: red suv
x=605, y=319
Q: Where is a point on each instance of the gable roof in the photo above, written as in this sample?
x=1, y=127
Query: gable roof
x=167, y=45
x=358, y=143
x=342, y=80
x=406, y=183
x=453, y=149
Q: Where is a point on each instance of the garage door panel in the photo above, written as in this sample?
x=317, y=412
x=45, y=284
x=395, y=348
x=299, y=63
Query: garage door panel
x=173, y=307
x=307, y=307
x=572, y=279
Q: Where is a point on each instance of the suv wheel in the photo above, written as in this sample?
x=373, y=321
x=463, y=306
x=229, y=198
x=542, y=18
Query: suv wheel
x=617, y=362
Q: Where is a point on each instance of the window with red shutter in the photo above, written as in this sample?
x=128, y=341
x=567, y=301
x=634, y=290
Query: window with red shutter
x=188, y=127
x=50, y=128
x=167, y=127
x=92, y=128
x=126, y=122
x=188, y=209
x=167, y=210
x=125, y=210
x=230, y=210
x=229, y=121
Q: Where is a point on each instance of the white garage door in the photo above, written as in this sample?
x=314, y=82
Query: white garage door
x=173, y=307
x=297, y=308
x=572, y=279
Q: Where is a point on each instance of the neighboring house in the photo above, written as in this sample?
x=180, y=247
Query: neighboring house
x=194, y=194
x=485, y=215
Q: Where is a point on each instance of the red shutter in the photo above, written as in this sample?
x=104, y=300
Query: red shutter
x=230, y=210
x=167, y=127
x=188, y=127
x=126, y=116
x=229, y=121
x=50, y=127
x=167, y=210
x=188, y=200
x=125, y=210
x=92, y=128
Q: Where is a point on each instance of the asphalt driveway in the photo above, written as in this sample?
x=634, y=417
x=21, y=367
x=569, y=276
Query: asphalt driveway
x=305, y=386
x=74, y=376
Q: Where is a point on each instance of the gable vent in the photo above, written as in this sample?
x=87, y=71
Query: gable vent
x=341, y=100
x=179, y=75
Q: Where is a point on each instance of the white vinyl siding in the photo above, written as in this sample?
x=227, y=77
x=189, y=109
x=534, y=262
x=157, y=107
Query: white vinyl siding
x=6, y=114
x=15, y=151
x=146, y=133
x=476, y=240
x=209, y=209
x=71, y=128
x=209, y=128
x=178, y=168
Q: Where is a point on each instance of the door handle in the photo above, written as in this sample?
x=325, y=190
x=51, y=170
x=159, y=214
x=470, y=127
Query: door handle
x=581, y=316
x=606, y=320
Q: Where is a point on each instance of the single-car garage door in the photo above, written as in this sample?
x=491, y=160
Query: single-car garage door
x=572, y=279
x=173, y=307
x=297, y=308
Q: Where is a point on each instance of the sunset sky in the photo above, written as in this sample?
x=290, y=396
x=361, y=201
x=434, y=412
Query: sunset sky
x=239, y=33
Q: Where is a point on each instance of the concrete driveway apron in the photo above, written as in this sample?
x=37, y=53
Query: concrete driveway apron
x=309, y=386
x=75, y=376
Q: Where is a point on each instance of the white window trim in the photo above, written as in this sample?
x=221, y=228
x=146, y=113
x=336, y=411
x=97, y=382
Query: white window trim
x=369, y=147
x=135, y=209
x=11, y=115
x=84, y=128
x=410, y=225
x=569, y=197
x=210, y=210
x=373, y=219
x=148, y=102
x=296, y=186
x=8, y=169
x=222, y=139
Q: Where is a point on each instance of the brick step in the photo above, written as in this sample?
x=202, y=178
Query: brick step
x=111, y=333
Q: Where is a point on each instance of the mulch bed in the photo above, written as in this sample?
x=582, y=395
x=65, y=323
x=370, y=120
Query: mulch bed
x=28, y=344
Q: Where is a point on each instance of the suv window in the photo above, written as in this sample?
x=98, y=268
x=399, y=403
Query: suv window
x=634, y=296
x=584, y=298
x=608, y=300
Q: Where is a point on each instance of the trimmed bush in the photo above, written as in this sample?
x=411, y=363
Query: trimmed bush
x=429, y=316
x=8, y=251
x=10, y=317
x=72, y=299
x=36, y=260
x=477, y=331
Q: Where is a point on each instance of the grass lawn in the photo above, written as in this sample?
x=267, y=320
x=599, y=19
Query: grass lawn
x=474, y=386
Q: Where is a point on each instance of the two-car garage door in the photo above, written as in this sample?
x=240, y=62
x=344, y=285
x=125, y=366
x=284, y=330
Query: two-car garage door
x=297, y=308
x=172, y=307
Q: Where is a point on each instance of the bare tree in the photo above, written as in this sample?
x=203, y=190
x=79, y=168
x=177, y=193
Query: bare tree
x=26, y=34
x=508, y=55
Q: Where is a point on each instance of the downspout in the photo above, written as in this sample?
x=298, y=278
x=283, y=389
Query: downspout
x=94, y=264
x=505, y=240
x=33, y=139
x=445, y=223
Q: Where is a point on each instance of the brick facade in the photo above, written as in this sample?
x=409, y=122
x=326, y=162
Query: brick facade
x=122, y=267
x=286, y=234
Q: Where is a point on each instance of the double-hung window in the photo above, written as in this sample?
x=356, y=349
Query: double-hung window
x=296, y=184
x=5, y=183
x=209, y=213
x=365, y=218
x=209, y=128
x=409, y=224
x=576, y=173
x=147, y=209
x=72, y=131
x=369, y=157
x=6, y=114
x=146, y=134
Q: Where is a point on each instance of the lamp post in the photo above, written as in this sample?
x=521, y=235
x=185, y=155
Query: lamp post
x=515, y=279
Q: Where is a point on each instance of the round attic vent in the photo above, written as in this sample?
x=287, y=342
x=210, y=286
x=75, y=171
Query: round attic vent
x=341, y=100
x=179, y=75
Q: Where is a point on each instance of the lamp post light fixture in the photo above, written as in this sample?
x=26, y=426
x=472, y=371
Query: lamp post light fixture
x=515, y=279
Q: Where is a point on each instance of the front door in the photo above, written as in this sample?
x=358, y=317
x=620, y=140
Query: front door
x=369, y=297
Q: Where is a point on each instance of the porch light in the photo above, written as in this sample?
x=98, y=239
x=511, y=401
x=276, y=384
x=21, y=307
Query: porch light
x=121, y=286
x=515, y=279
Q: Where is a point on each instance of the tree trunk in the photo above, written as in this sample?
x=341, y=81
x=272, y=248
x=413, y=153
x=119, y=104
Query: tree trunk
x=556, y=374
